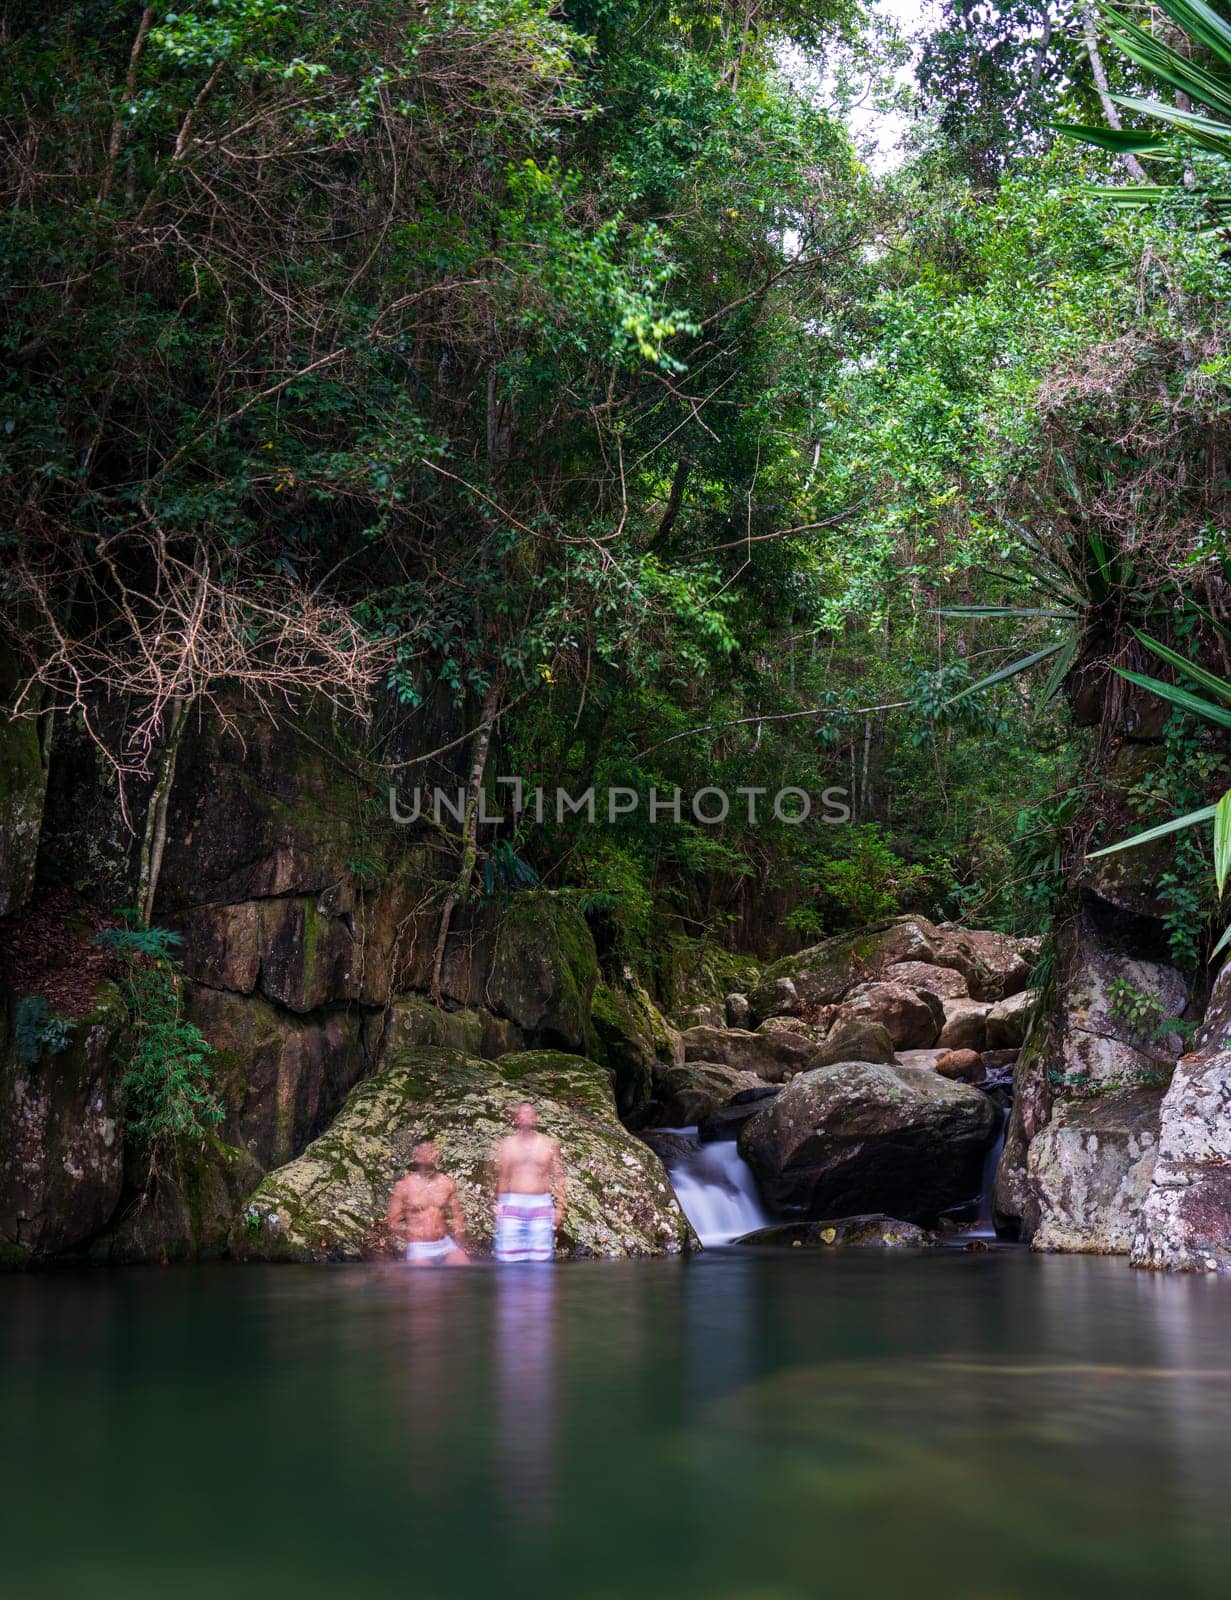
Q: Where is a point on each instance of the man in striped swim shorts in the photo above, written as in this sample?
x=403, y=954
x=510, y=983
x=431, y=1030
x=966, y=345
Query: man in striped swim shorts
x=529, y=1190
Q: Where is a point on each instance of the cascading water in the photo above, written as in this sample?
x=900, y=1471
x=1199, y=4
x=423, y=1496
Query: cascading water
x=713, y=1185
x=984, y=1225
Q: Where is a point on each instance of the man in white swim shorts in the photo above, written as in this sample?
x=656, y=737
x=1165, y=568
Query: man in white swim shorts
x=418, y=1207
x=530, y=1188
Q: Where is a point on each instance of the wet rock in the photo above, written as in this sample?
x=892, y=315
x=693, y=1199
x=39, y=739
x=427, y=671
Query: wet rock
x=965, y=1025
x=1008, y=1022
x=738, y=1013
x=851, y=1039
x=690, y=1093
x=860, y=1137
x=329, y=1204
x=726, y=1122
x=1185, y=1220
x=912, y=1020
x=963, y=1066
x=1091, y=1167
x=770, y=1056
x=871, y=1232
x=61, y=1143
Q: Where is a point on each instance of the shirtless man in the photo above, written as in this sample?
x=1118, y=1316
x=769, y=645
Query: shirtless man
x=530, y=1189
x=417, y=1209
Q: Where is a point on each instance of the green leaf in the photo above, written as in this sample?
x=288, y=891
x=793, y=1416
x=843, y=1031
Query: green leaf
x=1222, y=841
x=1011, y=671
x=1060, y=669
x=1003, y=611
x=1179, y=697
x=1190, y=669
x=1123, y=141
x=1174, y=826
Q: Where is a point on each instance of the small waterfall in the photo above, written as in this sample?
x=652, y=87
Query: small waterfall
x=983, y=1224
x=713, y=1185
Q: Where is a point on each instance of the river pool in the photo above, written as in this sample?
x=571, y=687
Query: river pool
x=747, y=1426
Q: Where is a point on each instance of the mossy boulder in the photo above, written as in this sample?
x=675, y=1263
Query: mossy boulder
x=329, y=1204
x=860, y=1137
x=61, y=1142
x=631, y=1037
x=414, y=1020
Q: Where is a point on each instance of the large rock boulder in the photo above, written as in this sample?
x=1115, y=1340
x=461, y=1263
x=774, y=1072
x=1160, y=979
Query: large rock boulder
x=860, y=1137
x=771, y=1056
x=851, y=1039
x=329, y=1203
x=965, y=1025
x=992, y=965
x=963, y=1066
x=690, y=1093
x=1185, y=1219
x=726, y=1122
x=61, y=1141
x=1080, y=1044
x=1213, y=1036
x=875, y=1232
x=1008, y=1022
x=1090, y=1168
x=413, y=1021
x=912, y=1020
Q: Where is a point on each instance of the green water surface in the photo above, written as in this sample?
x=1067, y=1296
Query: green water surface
x=742, y=1426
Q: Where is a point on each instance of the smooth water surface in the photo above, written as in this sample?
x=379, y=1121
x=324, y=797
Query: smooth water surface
x=746, y=1425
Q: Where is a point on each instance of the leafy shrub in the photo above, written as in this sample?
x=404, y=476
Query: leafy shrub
x=166, y=1088
x=868, y=884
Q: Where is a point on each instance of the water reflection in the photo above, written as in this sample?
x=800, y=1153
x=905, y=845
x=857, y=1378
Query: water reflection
x=524, y=1336
x=949, y=1425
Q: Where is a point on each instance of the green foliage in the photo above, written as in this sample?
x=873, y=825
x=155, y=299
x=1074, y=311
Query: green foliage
x=867, y=883
x=37, y=1031
x=1143, y=1015
x=1189, y=57
x=168, y=1098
